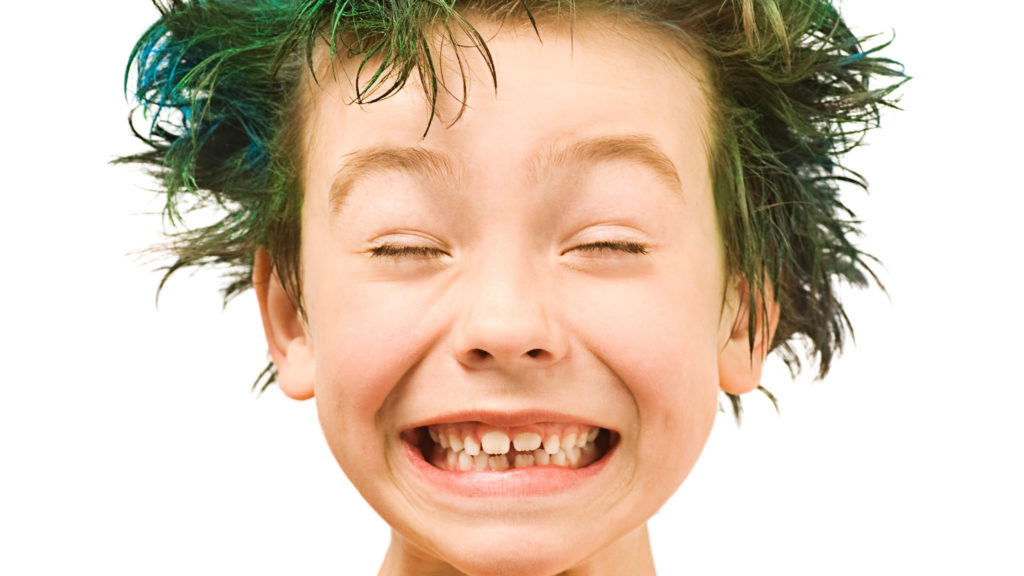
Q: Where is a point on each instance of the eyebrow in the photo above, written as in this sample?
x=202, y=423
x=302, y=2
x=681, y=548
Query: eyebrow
x=428, y=164
x=431, y=164
x=637, y=148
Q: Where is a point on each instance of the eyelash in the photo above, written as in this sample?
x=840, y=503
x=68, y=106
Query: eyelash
x=399, y=250
x=610, y=245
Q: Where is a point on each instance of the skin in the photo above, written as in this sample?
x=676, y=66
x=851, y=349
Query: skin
x=592, y=290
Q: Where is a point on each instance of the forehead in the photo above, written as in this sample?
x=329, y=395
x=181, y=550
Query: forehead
x=601, y=79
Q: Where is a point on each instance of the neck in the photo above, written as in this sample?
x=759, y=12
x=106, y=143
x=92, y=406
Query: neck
x=630, y=554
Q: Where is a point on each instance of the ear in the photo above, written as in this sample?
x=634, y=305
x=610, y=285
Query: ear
x=287, y=340
x=739, y=366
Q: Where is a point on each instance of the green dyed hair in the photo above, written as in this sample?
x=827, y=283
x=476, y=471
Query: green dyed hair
x=791, y=89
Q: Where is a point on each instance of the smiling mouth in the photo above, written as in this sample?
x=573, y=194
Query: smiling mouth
x=474, y=446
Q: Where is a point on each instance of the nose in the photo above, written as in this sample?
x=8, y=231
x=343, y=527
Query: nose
x=506, y=319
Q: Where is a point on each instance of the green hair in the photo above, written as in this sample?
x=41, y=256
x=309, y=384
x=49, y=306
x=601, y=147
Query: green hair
x=219, y=101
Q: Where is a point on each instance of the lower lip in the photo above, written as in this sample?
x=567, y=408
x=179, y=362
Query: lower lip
x=534, y=481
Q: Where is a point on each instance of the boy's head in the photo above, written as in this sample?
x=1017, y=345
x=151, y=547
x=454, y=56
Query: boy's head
x=528, y=235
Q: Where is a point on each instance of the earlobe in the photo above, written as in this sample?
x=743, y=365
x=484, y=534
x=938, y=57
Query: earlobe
x=287, y=340
x=739, y=365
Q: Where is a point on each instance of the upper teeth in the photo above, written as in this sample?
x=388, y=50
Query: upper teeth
x=475, y=446
x=494, y=442
x=527, y=442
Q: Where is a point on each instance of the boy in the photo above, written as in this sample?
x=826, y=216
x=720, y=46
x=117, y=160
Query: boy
x=515, y=249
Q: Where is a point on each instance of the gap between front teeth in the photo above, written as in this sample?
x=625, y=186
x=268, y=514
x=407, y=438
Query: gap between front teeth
x=470, y=447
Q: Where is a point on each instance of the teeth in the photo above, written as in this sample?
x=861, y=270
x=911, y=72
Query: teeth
x=558, y=458
x=527, y=442
x=524, y=460
x=552, y=444
x=568, y=441
x=481, y=461
x=572, y=456
x=460, y=447
x=495, y=442
x=455, y=442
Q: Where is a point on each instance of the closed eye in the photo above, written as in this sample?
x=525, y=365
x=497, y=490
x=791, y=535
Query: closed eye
x=612, y=246
x=405, y=251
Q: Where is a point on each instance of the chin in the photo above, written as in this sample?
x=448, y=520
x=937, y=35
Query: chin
x=511, y=549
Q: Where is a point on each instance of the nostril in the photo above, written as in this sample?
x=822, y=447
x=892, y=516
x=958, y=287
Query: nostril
x=481, y=354
x=535, y=353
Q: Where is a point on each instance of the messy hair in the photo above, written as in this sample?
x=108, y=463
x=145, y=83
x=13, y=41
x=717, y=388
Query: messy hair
x=217, y=86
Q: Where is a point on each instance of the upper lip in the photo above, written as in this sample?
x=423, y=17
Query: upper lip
x=507, y=419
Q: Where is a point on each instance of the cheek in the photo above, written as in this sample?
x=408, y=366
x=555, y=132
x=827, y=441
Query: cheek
x=661, y=328
x=669, y=364
x=367, y=338
x=660, y=339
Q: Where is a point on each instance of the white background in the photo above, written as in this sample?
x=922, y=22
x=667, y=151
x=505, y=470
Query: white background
x=131, y=444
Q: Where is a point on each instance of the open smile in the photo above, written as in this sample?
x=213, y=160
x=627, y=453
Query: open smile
x=483, y=459
x=473, y=446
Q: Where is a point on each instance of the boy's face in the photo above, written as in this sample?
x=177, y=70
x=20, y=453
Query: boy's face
x=546, y=266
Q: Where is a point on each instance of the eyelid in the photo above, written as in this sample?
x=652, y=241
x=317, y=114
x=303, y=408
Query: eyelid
x=389, y=250
x=608, y=236
x=625, y=246
x=406, y=245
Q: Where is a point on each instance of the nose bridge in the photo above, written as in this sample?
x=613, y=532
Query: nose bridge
x=506, y=317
